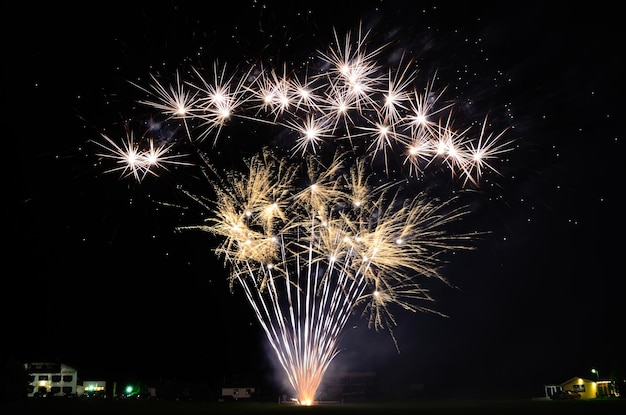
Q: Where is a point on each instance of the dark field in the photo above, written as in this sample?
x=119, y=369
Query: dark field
x=122, y=407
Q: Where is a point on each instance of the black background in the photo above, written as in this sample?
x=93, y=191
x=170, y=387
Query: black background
x=96, y=278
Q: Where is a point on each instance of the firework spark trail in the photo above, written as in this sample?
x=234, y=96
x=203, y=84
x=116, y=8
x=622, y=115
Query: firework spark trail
x=310, y=241
x=332, y=253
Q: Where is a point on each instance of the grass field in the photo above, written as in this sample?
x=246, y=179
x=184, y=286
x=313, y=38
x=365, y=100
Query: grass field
x=123, y=407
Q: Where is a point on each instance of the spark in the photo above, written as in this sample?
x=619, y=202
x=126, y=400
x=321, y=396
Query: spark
x=175, y=101
x=424, y=109
x=137, y=159
x=220, y=100
x=353, y=69
x=397, y=95
x=487, y=148
x=274, y=92
x=312, y=132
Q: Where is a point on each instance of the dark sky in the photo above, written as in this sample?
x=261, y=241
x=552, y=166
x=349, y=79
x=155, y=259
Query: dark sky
x=95, y=276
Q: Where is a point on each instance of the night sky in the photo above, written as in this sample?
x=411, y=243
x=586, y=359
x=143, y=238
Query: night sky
x=97, y=278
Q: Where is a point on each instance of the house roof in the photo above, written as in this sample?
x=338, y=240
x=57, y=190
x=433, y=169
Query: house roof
x=571, y=380
x=47, y=367
x=575, y=378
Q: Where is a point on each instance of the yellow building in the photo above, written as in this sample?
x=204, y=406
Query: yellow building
x=586, y=388
x=92, y=388
x=580, y=388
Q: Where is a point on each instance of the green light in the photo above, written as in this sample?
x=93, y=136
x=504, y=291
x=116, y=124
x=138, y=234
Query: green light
x=129, y=389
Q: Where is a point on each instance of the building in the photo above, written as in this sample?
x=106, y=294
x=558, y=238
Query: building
x=51, y=379
x=349, y=386
x=92, y=389
x=581, y=388
x=237, y=393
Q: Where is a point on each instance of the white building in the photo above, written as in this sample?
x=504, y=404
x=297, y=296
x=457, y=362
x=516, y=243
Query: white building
x=51, y=379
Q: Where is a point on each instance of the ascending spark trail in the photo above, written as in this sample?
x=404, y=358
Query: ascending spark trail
x=310, y=241
x=307, y=257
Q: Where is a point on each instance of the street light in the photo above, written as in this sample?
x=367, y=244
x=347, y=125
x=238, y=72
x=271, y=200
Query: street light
x=595, y=372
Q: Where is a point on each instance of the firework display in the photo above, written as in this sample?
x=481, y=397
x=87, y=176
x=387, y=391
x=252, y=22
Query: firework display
x=321, y=227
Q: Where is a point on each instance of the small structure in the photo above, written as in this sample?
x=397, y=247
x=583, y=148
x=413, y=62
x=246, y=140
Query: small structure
x=51, y=379
x=92, y=389
x=237, y=393
x=349, y=386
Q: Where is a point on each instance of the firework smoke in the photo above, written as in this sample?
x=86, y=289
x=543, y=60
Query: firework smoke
x=310, y=232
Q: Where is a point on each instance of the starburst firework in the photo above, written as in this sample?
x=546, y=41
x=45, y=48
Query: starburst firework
x=311, y=239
